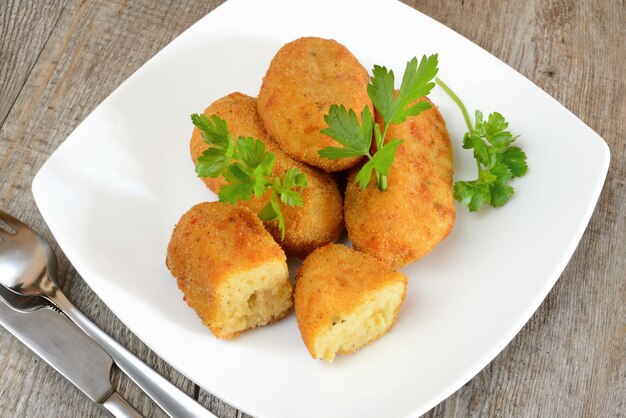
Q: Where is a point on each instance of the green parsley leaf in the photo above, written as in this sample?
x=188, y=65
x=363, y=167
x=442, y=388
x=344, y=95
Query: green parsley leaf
x=384, y=157
x=337, y=153
x=219, y=155
x=500, y=193
x=486, y=177
x=502, y=172
x=268, y=214
x=240, y=186
x=250, y=152
x=515, y=159
x=212, y=163
x=247, y=167
x=381, y=91
x=495, y=131
x=416, y=83
x=472, y=194
x=294, y=178
x=259, y=181
x=279, y=215
x=285, y=189
x=463, y=192
x=380, y=163
x=479, y=124
x=497, y=162
x=344, y=127
x=481, y=153
x=271, y=212
x=364, y=175
x=290, y=198
x=253, y=160
x=214, y=131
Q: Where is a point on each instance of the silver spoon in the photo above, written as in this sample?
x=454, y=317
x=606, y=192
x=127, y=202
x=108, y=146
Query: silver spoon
x=28, y=267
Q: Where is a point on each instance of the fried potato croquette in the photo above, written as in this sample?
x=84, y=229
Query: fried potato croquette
x=304, y=79
x=416, y=212
x=344, y=300
x=320, y=219
x=231, y=271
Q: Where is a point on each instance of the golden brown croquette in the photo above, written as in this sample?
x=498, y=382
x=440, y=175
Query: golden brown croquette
x=416, y=212
x=230, y=270
x=344, y=300
x=304, y=79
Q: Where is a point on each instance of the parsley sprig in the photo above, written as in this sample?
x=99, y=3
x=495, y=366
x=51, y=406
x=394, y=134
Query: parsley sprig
x=247, y=168
x=356, y=138
x=496, y=160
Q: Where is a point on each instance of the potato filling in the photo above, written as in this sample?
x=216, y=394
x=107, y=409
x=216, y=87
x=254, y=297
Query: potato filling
x=367, y=322
x=255, y=297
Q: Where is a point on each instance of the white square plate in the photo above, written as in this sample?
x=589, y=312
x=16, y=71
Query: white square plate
x=114, y=189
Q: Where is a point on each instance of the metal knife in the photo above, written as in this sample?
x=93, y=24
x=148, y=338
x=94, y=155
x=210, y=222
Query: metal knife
x=65, y=347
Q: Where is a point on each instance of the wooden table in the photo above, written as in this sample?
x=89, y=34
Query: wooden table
x=59, y=59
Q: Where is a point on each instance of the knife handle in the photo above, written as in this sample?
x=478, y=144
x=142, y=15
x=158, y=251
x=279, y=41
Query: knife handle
x=171, y=399
x=119, y=408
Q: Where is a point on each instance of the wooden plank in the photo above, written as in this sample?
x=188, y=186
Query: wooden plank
x=25, y=27
x=569, y=360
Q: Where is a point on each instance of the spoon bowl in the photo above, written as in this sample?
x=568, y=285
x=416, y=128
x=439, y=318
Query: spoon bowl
x=28, y=265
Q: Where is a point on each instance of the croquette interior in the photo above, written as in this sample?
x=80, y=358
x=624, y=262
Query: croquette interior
x=253, y=298
x=367, y=322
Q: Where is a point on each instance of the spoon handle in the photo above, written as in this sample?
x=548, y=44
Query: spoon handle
x=170, y=398
x=117, y=407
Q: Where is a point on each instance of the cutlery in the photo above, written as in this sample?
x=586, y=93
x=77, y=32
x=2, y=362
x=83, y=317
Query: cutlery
x=28, y=267
x=62, y=345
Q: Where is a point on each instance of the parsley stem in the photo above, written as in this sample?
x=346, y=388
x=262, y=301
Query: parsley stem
x=382, y=182
x=382, y=137
x=458, y=101
x=381, y=179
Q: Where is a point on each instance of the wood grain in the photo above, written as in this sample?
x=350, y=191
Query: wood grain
x=59, y=59
x=25, y=27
